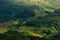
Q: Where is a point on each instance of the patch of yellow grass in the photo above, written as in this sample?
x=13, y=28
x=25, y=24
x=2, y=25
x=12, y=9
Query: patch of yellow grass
x=36, y=35
x=3, y=29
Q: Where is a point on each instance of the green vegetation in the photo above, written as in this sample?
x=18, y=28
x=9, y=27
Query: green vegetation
x=29, y=20
x=14, y=35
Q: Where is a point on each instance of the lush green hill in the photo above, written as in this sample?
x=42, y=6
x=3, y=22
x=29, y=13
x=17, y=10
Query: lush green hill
x=37, y=19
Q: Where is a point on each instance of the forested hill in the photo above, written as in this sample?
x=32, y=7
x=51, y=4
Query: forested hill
x=38, y=19
x=11, y=8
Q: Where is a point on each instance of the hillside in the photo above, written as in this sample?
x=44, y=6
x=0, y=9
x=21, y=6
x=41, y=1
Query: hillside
x=35, y=19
